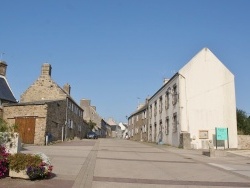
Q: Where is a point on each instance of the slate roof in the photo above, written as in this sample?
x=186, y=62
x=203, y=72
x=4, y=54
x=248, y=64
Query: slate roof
x=5, y=91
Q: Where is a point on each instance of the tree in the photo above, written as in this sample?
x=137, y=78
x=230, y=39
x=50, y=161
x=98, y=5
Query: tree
x=243, y=122
x=6, y=132
x=91, y=124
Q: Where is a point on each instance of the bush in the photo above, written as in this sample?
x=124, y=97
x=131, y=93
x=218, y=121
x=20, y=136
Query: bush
x=21, y=161
x=37, y=166
x=3, y=162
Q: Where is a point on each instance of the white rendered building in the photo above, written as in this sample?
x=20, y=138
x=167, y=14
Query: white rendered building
x=188, y=108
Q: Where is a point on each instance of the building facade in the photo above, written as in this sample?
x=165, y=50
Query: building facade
x=90, y=114
x=46, y=109
x=138, y=124
x=186, y=111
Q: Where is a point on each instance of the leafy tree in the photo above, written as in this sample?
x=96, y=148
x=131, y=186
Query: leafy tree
x=243, y=122
x=6, y=131
x=91, y=124
x=3, y=125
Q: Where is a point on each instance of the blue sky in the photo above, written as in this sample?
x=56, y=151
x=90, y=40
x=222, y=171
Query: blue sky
x=116, y=51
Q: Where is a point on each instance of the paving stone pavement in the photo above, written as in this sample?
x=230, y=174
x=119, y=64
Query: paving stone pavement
x=108, y=163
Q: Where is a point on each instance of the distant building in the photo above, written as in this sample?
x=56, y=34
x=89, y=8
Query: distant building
x=6, y=95
x=105, y=129
x=46, y=109
x=90, y=114
x=137, y=124
x=115, y=129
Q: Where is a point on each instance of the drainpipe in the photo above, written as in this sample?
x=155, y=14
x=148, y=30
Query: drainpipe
x=66, y=119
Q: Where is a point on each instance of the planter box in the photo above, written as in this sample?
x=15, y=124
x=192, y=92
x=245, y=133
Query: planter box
x=22, y=174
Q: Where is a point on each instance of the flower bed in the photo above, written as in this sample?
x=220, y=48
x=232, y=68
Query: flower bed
x=33, y=166
x=3, y=162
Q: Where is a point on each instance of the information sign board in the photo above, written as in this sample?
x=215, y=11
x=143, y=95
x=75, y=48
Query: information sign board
x=221, y=134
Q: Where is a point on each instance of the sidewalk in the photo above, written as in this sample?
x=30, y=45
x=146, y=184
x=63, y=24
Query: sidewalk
x=67, y=159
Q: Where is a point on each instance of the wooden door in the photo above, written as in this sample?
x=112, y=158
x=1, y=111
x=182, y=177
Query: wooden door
x=26, y=129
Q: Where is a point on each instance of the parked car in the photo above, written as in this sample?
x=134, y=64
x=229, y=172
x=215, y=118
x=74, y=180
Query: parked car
x=92, y=135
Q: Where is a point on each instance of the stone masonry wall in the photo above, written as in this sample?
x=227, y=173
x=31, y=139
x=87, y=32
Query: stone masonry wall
x=78, y=121
x=39, y=111
x=138, y=124
x=44, y=88
x=243, y=141
x=56, y=117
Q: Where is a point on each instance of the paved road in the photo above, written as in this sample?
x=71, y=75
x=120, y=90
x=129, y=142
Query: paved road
x=108, y=163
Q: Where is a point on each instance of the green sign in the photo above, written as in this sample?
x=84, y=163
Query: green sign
x=221, y=134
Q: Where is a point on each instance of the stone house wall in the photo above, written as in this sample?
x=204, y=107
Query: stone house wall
x=44, y=88
x=50, y=120
x=138, y=125
x=38, y=111
x=55, y=120
x=80, y=127
x=243, y=141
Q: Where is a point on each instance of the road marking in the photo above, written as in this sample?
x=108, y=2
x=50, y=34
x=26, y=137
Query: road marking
x=222, y=166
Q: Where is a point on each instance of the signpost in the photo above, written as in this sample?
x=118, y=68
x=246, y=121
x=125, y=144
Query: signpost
x=222, y=134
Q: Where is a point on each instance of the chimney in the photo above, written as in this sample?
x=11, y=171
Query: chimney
x=3, y=68
x=94, y=107
x=85, y=103
x=67, y=88
x=165, y=80
x=46, y=69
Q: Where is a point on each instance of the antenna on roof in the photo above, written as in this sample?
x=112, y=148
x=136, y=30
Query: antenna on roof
x=1, y=57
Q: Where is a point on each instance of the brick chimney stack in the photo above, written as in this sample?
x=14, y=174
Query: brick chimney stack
x=3, y=68
x=67, y=88
x=46, y=69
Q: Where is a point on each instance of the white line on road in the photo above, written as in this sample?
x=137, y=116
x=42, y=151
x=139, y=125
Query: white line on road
x=221, y=166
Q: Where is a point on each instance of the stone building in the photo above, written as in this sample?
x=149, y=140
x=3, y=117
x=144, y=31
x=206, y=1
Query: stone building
x=90, y=114
x=115, y=129
x=46, y=109
x=105, y=129
x=6, y=95
x=137, y=124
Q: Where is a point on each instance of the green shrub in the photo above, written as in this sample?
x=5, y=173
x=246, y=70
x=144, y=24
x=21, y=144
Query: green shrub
x=21, y=161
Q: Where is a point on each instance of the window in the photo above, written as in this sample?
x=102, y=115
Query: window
x=167, y=126
x=175, y=122
x=160, y=105
x=145, y=128
x=71, y=124
x=137, y=117
x=69, y=104
x=167, y=99
x=175, y=95
x=79, y=128
x=150, y=111
x=155, y=108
